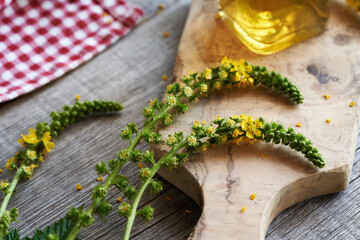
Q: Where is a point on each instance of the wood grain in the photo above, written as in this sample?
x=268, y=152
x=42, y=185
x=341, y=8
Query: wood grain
x=130, y=72
x=222, y=179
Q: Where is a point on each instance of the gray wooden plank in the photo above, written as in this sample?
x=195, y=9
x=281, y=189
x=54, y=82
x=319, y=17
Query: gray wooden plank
x=130, y=72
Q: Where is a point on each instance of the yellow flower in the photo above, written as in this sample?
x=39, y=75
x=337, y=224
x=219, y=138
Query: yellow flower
x=4, y=184
x=78, y=187
x=298, y=124
x=41, y=158
x=210, y=130
x=77, y=97
x=250, y=126
x=236, y=133
x=203, y=148
x=224, y=74
x=241, y=74
x=230, y=122
x=34, y=166
x=31, y=154
x=100, y=179
x=30, y=138
x=217, y=85
x=28, y=170
x=223, y=139
x=203, y=88
x=208, y=73
x=196, y=123
x=46, y=140
x=226, y=62
x=9, y=163
x=217, y=117
x=119, y=199
x=243, y=209
x=328, y=120
x=326, y=96
x=352, y=104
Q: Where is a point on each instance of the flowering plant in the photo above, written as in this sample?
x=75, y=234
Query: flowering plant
x=37, y=143
x=235, y=130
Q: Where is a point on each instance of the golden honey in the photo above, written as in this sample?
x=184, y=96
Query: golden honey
x=269, y=26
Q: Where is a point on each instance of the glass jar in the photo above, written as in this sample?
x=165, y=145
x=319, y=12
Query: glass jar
x=269, y=26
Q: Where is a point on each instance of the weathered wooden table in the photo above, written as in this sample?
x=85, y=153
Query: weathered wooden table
x=130, y=72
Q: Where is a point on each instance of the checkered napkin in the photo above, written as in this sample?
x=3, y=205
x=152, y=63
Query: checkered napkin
x=40, y=40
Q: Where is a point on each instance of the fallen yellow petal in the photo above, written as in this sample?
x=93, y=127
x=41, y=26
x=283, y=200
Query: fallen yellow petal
x=253, y=196
x=78, y=187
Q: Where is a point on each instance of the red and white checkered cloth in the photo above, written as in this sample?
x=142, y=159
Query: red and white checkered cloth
x=40, y=40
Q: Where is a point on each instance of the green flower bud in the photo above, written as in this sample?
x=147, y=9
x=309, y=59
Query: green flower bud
x=123, y=155
x=136, y=156
x=130, y=192
x=172, y=162
x=126, y=133
x=101, y=168
x=112, y=163
x=152, y=137
x=133, y=127
x=171, y=140
x=148, y=112
x=144, y=173
x=27, y=172
x=124, y=209
x=168, y=119
x=99, y=192
x=120, y=182
x=146, y=213
x=155, y=187
x=181, y=107
x=149, y=157
x=103, y=209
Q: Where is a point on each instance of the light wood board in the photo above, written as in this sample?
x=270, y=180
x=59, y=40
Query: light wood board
x=222, y=179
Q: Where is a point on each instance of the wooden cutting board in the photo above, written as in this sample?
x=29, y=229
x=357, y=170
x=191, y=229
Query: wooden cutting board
x=222, y=179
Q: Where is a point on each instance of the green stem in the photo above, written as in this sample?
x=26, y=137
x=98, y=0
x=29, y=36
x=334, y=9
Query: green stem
x=9, y=194
x=144, y=184
x=118, y=167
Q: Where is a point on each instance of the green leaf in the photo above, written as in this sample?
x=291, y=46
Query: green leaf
x=62, y=228
x=13, y=235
